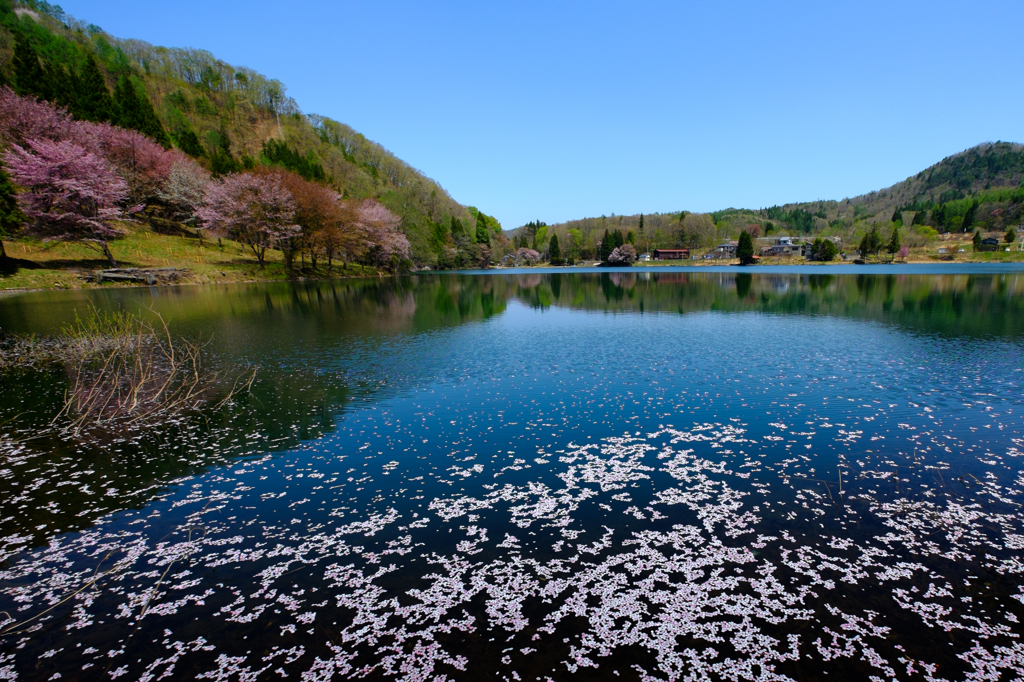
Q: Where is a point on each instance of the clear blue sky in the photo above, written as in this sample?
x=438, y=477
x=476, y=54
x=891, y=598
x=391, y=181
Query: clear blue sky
x=559, y=110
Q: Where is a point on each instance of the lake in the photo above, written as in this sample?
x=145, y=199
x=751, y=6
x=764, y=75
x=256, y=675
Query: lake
x=664, y=474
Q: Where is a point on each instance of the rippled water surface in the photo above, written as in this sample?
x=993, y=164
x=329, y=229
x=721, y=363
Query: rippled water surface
x=621, y=475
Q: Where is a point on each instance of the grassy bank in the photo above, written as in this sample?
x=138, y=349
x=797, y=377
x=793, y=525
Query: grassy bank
x=35, y=265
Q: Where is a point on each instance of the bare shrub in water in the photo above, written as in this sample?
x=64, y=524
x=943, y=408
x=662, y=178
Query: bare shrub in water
x=123, y=372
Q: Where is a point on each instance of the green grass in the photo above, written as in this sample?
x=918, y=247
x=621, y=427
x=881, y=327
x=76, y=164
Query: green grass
x=62, y=265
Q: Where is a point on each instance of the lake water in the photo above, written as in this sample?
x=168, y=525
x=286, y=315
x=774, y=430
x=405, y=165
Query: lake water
x=655, y=475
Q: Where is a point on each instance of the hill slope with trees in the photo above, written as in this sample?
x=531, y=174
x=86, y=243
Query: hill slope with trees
x=979, y=190
x=228, y=120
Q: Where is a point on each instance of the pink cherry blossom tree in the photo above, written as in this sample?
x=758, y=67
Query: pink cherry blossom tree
x=26, y=118
x=386, y=246
x=68, y=193
x=142, y=162
x=622, y=255
x=525, y=256
x=253, y=209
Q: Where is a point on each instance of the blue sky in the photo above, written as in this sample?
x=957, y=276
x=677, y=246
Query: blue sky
x=559, y=110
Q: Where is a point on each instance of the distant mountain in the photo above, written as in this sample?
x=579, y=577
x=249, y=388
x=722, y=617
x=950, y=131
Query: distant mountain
x=982, y=186
x=987, y=166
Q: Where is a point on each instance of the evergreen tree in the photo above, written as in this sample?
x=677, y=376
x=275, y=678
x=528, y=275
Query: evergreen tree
x=483, y=235
x=554, y=251
x=607, y=246
x=135, y=111
x=969, y=216
x=894, y=241
x=1010, y=236
x=62, y=87
x=617, y=239
x=221, y=161
x=127, y=107
x=745, y=249
x=824, y=250
x=11, y=217
x=871, y=243
x=875, y=240
x=865, y=246
x=188, y=142
x=94, y=100
x=631, y=238
x=743, y=282
x=28, y=72
x=640, y=228
x=458, y=231
x=977, y=240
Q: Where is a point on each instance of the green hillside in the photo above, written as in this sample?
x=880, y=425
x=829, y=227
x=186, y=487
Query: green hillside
x=227, y=117
x=980, y=189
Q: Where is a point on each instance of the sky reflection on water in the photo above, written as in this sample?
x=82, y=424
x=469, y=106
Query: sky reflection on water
x=682, y=476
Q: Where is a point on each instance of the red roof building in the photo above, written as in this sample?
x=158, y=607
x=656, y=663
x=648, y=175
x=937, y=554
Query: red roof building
x=671, y=254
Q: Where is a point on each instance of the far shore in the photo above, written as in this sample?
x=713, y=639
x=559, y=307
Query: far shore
x=238, y=271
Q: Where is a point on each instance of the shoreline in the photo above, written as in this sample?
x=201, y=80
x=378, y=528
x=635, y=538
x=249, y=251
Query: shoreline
x=847, y=268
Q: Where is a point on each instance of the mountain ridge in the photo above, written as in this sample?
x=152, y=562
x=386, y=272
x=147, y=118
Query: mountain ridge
x=988, y=177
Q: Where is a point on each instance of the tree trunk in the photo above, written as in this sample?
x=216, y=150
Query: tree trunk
x=110, y=256
x=259, y=252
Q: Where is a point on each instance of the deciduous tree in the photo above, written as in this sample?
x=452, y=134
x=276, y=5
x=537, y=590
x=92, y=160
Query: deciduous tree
x=622, y=255
x=69, y=193
x=142, y=163
x=330, y=226
x=184, y=189
x=255, y=210
x=698, y=230
x=27, y=118
x=526, y=256
x=386, y=246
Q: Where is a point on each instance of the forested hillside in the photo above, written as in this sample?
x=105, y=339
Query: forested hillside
x=228, y=118
x=978, y=190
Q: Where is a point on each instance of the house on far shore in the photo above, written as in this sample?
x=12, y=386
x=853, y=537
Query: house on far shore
x=783, y=247
x=671, y=254
x=725, y=250
x=644, y=257
x=990, y=244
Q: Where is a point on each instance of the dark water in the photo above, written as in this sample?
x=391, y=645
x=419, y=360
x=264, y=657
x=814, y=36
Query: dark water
x=668, y=475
